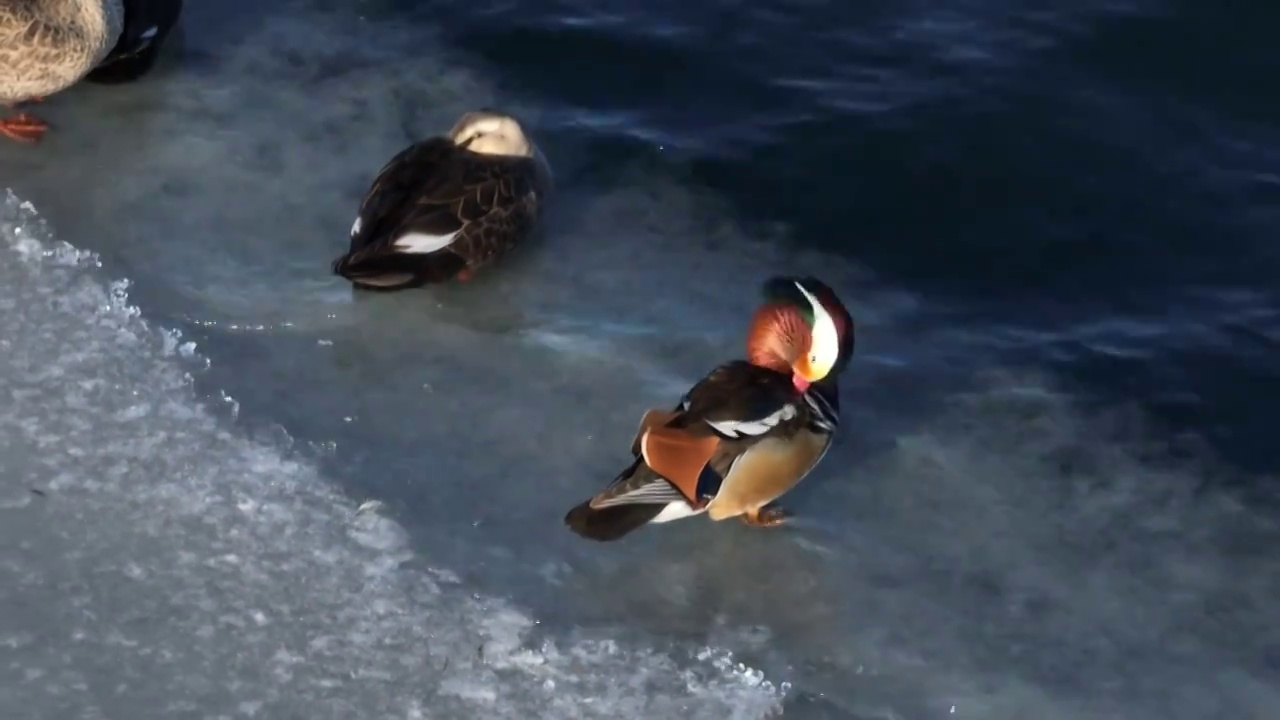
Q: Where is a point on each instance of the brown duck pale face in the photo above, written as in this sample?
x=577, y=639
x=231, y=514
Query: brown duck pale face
x=802, y=329
x=491, y=133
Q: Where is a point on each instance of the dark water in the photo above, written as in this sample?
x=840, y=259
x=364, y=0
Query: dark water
x=1091, y=186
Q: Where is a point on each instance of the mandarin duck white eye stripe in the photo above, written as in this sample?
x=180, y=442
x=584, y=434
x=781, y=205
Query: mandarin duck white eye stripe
x=824, y=348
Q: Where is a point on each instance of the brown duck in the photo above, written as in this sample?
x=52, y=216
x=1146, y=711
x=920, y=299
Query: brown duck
x=747, y=432
x=445, y=207
x=46, y=46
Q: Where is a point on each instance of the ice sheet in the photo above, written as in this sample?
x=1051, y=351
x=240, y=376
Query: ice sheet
x=157, y=564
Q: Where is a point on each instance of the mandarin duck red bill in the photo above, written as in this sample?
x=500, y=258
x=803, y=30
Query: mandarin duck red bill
x=744, y=434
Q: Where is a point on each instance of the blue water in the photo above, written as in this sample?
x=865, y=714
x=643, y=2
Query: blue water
x=1100, y=174
x=1054, y=494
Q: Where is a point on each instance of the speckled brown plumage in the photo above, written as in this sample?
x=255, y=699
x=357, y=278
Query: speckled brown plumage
x=436, y=187
x=48, y=45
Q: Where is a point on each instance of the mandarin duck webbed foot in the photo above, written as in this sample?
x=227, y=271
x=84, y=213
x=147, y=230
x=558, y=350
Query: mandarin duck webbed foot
x=766, y=517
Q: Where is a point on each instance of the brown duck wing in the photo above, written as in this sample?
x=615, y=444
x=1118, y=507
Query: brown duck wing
x=498, y=205
x=434, y=209
x=422, y=171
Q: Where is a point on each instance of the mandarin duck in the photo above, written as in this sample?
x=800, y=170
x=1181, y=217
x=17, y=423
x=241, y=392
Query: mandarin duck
x=745, y=433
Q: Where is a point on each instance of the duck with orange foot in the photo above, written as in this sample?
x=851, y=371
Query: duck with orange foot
x=746, y=433
x=445, y=207
x=23, y=126
x=47, y=46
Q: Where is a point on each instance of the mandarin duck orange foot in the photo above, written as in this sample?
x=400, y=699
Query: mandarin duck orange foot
x=448, y=206
x=746, y=433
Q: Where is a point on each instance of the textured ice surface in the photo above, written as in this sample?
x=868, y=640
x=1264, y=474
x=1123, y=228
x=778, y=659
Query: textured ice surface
x=153, y=564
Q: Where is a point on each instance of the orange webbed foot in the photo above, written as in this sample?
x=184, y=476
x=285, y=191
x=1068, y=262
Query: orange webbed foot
x=771, y=516
x=24, y=128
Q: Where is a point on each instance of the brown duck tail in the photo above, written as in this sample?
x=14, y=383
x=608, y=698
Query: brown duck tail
x=611, y=523
x=147, y=27
x=125, y=69
x=398, y=271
